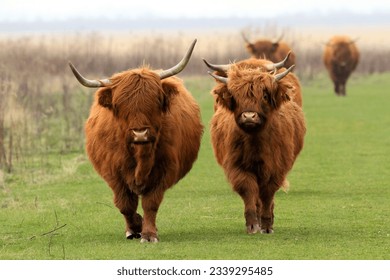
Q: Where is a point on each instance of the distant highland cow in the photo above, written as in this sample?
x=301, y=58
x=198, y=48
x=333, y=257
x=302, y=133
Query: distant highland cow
x=341, y=57
x=257, y=132
x=271, y=50
x=143, y=135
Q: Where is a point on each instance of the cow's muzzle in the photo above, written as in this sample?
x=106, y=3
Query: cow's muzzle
x=249, y=120
x=141, y=136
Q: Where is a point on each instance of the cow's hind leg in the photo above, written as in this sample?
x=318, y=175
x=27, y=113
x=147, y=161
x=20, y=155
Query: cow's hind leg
x=258, y=210
x=342, y=89
x=150, y=204
x=127, y=202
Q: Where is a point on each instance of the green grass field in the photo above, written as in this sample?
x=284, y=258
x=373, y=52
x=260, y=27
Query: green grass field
x=338, y=205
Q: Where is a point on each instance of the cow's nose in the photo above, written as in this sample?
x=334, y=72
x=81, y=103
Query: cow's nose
x=141, y=135
x=249, y=121
x=249, y=116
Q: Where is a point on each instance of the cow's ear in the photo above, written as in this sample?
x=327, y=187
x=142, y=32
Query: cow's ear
x=286, y=97
x=105, y=97
x=287, y=91
x=275, y=46
x=169, y=90
x=277, y=98
x=251, y=48
x=225, y=98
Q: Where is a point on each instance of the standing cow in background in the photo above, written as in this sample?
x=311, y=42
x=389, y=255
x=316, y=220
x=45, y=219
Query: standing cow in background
x=143, y=135
x=341, y=57
x=257, y=133
x=271, y=50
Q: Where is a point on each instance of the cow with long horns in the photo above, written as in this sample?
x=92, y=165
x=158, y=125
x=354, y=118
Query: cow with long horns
x=341, y=56
x=272, y=50
x=257, y=132
x=143, y=135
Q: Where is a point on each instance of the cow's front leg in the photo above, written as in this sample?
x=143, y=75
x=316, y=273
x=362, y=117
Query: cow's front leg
x=133, y=223
x=127, y=202
x=245, y=185
x=150, y=204
x=267, y=194
x=337, y=88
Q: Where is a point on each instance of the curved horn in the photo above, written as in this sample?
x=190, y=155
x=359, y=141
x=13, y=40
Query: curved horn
x=279, y=39
x=215, y=67
x=275, y=66
x=245, y=38
x=219, y=78
x=88, y=83
x=281, y=63
x=354, y=40
x=180, y=66
x=280, y=76
x=327, y=44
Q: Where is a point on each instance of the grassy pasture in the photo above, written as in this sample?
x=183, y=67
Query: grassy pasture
x=338, y=205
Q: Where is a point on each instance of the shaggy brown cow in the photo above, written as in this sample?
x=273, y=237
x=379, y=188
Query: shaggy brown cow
x=143, y=135
x=341, y=57
x=257, y=133
x=271, y=50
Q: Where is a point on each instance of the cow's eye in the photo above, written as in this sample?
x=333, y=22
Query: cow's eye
x=266, y=97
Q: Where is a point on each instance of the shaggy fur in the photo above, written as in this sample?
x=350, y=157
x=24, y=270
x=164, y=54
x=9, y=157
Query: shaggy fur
x=256, y=160
x=341, y=57
x=274, y=51
x=139, y=100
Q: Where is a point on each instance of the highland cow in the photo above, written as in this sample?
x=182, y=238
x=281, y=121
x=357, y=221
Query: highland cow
x=341, y=57
x=257, y=132
x=142, y=136
x=272, y=50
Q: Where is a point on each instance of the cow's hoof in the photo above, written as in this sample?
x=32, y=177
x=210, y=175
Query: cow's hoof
x=252, y=229
x=131, y=235
x=149, y=240
x=266, y=230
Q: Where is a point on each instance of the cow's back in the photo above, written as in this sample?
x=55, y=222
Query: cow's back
x=183, y=127
x=221, y=127
x=295, y=92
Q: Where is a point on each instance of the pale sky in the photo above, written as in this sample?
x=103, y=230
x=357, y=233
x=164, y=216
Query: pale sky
x=12, y=10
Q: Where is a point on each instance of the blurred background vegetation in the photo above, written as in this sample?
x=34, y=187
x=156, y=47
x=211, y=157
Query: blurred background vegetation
x=43, y=108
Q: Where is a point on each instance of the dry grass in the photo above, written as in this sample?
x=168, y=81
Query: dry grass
x=43, y=108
